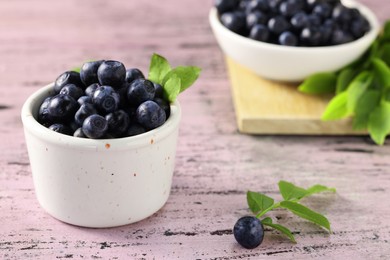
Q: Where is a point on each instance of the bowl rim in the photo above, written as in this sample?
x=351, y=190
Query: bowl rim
x=368, y=14
x=153, y=136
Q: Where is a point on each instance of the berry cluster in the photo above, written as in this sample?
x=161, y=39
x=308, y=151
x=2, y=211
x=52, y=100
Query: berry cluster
x=104, y=100
x=293, y=22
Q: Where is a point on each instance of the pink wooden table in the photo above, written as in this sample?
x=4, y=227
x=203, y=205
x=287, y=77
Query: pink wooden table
x=215, y=164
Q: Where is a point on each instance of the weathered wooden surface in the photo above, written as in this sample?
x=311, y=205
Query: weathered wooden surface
x=215, y=165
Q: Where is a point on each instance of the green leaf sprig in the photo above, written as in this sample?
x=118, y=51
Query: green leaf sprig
x=361, y=90
x=173, y=80
x=260, y=204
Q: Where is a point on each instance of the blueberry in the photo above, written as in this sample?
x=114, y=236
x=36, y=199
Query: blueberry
x=288, y=39
x=84, y=99
x=61, y=108
x=274, y=5
x=342, y=13
x=68, y=77
x=72, y=90
x=88, y=72
x=224, y=6
x=257, y=5
x=164, y=105
x=95, y=126
x=158, y=90
x=79, y=133
x=340, y=37
x=118, y=123
x=234, y=21
x=310, y=36
x=299, y=21
x=150, y=115
x=314, y=20
x=140, y=90
x=289, y=8
x=248, y=232
x=135, y=129
x=359, y=27
x=259, y=32
x=91, y=89
x=83, y=112
x=111, y=73
x=256, y=17
x=43, y=113
x=60, y=128
x=133, y=74
x=323, y=10
x=106, y=99
x=278, y=24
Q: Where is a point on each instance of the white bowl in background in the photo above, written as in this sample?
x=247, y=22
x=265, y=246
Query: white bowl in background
x=292, y=64
x=104, y=182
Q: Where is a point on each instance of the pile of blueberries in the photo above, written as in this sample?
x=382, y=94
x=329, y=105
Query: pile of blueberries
x=104, y=100
x=293, y=22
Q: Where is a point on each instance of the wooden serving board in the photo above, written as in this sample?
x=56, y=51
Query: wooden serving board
x=268, y=107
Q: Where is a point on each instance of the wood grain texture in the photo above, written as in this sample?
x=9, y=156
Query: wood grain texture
x=215, y=165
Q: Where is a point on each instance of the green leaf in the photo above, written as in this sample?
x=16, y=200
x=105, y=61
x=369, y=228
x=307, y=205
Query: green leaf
x=318, y=189
x=187, y=74
x=320, y=83
x=344, y=79
x=268, y=222
x=357, y=87
x=158, y=68
x=336, y=108
x=385, y=53
x=172, y=88
x=379, y=123
x=365, y=105
x=258, y=202
x=290, y=191
x=76, y=69
x=386, y=30
x=306, y=213
x=382, y=72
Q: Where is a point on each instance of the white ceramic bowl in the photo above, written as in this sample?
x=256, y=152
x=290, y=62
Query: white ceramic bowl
x=100, y=183
x=284, y=63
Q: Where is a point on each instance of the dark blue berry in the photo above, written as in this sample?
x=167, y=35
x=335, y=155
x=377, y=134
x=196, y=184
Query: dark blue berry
x=61, y=108
x=60, y=128
x=324, y=10
x=150, y=115
x=158, y=90
x=91, y=89
x=310, y=36
x=164, y=105
x=234, y=21
x=111, y=73
x=79, y=133
x=340, y=37
x=314, y=21
x=342, y=13
x=88, y=72
x=118, y=123
x=135, y=129
x=83, y=112
x=248, y=232
x=259, y=32
x=68, y=77
x=359, y=27
x=256, y=17
x=225, y=5
x=72, y=90
x=257, y=5
x=106, y=99
x=43, y=113
x=288, y=39
x=133, y=74
x=274, y=5
x=299, y=21
x=289, y=8
x=95, y=126
x=278, y=24
x=84, y=99
x=140, y=90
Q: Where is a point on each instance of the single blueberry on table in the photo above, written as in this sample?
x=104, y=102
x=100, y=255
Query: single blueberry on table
x=288, y=39
x=68, y=77
x=133, y=74
x=118, y=123
x=234, y=21
x=225, y=5
x=111, y=73
x=95, y=126
x=106, y=99
x=259, y=32
x=61, y=108
x=248, y=232
x=84, y=99
x=140, y=90
x=150, y=115
x=83, y=112
x=88, y=72
x=72, y=90
x=61, y=128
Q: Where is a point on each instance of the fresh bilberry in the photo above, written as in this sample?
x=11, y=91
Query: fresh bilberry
x=288, y=39
x=259, y=32
x=256, y=17
x=164, y=105
x=68, y=77
x=135, y=129
x=106, y=99
x=158, y=90
x=43, y=113
x=133, y=74
x=299, y=21
x=248, y=232
x=61, y=128
x=150, y=115
x=225, y=5
x=111, y=73
x=324, y=10
x=95, y=126
x=88, y=72
x=84, y=99
x=72, y=90
x=91, y=89
x=140, y=90
x=61, y=108
x=278, y=24
x=340, y=37
x=118, y=123
x=310, y=36
x=289, y=8
x=83, y=112
x=234, y=21
x=257, y=5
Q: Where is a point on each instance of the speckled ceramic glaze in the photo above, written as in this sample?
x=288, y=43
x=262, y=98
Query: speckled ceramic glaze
x=100, y=183
x=285, y=63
